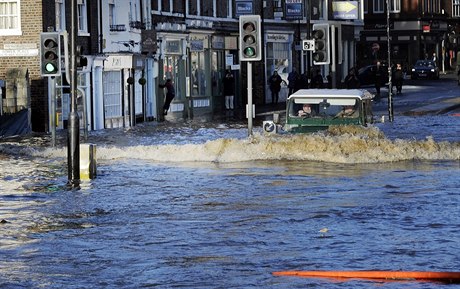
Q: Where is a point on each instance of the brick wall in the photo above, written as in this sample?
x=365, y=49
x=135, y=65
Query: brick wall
x=31, y=25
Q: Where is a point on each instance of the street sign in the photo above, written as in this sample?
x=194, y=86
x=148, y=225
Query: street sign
x=308, y=44
x=347, y=10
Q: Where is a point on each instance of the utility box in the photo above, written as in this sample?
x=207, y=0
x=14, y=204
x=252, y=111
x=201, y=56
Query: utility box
x=17, y=90
x=88, y=165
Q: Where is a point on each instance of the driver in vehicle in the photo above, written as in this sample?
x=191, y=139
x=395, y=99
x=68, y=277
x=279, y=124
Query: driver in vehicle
x=306, y=111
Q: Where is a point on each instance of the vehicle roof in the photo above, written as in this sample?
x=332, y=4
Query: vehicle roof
x=332, y=93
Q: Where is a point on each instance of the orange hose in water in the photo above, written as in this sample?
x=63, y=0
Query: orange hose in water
x=394, y=275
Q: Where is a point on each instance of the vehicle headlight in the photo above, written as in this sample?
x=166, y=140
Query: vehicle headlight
x=432, y=70
x=413, y=69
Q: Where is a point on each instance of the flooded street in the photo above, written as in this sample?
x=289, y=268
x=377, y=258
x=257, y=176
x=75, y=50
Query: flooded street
x=203, y=206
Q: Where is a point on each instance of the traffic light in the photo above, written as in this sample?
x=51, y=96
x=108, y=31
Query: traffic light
x=250, y=38
x=50, y=51
x=321, y=54
x=80, y=61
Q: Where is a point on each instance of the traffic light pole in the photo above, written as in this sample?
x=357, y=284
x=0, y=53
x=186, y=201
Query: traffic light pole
x=249, y=108
x=73, y=138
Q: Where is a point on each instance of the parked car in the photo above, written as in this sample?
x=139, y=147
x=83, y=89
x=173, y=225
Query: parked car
x=366, y=74
x=425, y=69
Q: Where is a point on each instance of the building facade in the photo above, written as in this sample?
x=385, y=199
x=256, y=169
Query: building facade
x=418, y=30
x=134, y=46
x=20, y=81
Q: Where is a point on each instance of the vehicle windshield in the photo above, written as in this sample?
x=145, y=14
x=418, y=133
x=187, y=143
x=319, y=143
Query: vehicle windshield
x=321, y=108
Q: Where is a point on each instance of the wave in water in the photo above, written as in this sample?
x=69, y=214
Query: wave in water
x=338, y=145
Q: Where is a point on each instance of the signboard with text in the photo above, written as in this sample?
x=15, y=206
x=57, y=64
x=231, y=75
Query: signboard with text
x=294, y=9
x=347, y=10
x=243, y=7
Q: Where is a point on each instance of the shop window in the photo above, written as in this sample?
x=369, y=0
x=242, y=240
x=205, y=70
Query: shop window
x=217, y=72
x=278, y=55
x=172, y=70
x=198, y=78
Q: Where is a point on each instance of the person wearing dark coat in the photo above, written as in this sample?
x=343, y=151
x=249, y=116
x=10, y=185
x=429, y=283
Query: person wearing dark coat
x=398, y=78
x=302, y=83
x=229, y=89
x=317, y=80
x=170, y=94
x=275, y=86
x=351, y=81
x=293, y=78
x=378, y=75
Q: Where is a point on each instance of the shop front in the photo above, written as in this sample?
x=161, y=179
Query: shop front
x=278, y=57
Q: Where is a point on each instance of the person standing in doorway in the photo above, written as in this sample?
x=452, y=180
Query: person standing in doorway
x=229, y=89
x=275, y=86
x=170, y=94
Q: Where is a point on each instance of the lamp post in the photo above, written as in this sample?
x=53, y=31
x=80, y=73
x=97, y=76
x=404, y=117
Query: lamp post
x=390, y=88
x=73, y=137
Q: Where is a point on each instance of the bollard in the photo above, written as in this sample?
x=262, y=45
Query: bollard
x=88, y=165
x=276, y=118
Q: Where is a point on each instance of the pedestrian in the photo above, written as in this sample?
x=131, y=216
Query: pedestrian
x=303, y=81
x=170, y=94
x=398, y=77
x=317, y=80
x=229, y=89
x=378, y=75
x=293, y=78
x=351, y=80
x=275, y=86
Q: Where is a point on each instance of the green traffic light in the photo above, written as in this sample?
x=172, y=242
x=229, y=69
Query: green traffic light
x=249, y=51
x=50, y=67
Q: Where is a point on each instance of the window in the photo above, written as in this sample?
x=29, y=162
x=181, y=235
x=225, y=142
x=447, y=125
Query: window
x=379, y=6
x=112, y=20
x=395, y=6
x=432, y=6
x=82, y=17
x=192, y=7
x=112, y=94
x=166, y=6
x=60, y=15
x=366, y=6
x=456, y=8
x=10, y=17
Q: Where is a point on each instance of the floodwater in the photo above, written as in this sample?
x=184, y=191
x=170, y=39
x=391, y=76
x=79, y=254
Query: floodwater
x=198, y=205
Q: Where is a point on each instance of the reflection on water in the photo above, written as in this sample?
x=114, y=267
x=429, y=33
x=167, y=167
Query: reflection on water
x=206, y=207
